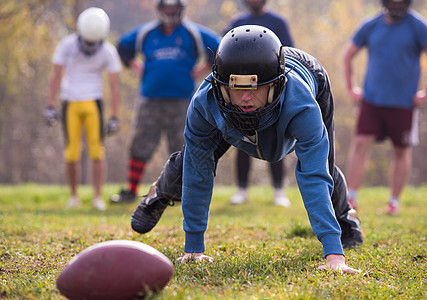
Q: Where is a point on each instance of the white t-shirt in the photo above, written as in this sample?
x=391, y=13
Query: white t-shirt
x=82, y=78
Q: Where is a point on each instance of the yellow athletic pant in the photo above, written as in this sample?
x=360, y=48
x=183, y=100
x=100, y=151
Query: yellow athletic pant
x=85, y=115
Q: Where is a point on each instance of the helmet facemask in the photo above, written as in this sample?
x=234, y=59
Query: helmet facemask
x=247, y=122
x=89, y=48
x=248, y=57
x=170, y=12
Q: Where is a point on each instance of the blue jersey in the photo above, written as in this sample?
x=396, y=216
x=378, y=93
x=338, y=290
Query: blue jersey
x=393, y=71
x=168, y=59
x=272, y=21
x=296, y=125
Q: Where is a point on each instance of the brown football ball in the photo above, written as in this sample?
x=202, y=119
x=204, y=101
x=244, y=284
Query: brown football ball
x=117, y=269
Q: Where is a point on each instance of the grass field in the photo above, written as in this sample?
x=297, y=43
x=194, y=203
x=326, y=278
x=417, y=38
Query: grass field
x=261, y=251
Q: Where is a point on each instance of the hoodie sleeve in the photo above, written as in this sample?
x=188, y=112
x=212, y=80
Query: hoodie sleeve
x=201, y=138
x=312, y=174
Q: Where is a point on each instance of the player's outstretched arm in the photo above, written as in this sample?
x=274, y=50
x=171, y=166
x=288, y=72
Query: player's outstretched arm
x=336, y=262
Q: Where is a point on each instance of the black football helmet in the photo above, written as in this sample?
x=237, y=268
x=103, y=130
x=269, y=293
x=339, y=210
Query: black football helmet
x=397, y=9
x=248, y=56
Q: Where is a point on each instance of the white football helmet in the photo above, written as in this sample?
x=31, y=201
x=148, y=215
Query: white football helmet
x=93, y=25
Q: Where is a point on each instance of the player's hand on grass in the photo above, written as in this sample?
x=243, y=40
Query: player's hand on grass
x=194, y=256
x=336, y=262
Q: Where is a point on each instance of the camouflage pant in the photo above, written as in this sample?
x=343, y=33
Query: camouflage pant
x=155, y=117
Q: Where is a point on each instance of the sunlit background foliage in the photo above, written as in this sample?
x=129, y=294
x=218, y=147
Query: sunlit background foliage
x=30, y=29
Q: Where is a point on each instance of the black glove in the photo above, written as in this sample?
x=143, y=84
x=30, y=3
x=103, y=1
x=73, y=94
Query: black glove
x=51, y=116
x=112, y=126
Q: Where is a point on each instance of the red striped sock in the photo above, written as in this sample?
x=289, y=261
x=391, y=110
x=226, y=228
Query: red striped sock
x=136, y=169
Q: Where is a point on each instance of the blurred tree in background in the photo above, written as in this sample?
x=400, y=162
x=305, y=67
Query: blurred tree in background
x=30, y=30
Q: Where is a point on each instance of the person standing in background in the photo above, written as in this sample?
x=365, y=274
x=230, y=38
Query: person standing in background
x=176, y=52
x=258, y=14
x=395, y=39
x=82, y=57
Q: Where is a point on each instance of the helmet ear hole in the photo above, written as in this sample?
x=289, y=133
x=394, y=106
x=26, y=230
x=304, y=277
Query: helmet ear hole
x=224, y=93
x=270, y=94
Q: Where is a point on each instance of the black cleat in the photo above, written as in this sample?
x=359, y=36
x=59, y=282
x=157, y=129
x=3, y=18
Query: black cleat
x=351, y=233
x=125, y=196
x=148, y=212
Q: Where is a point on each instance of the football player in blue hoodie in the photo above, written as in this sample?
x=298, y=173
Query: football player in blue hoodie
x=268, y=100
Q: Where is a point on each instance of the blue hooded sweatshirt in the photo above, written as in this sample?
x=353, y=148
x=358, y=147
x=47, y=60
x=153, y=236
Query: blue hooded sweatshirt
x=298, y=126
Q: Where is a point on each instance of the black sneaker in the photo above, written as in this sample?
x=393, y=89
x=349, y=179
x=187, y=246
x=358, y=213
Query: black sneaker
x=148, y=212
x=351, y=233
x=125, y=196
